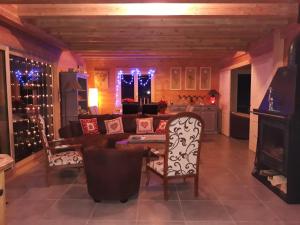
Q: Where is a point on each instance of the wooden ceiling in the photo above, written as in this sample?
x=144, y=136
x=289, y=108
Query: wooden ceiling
x=203, y=29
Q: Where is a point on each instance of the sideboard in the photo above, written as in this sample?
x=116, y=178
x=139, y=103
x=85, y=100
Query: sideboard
x=209, y=113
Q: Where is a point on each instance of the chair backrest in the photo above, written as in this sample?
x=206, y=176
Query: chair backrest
x=184, y=132
x=42, y=133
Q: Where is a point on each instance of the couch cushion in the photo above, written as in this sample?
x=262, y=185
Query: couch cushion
x=75, y=128
x=66, y=158
x=89, y=126
x=99, y=140
x=157, y=119
x=161, y=129
x=129, y=123
x=144, y=125
x=101, y=124
x=114, y=126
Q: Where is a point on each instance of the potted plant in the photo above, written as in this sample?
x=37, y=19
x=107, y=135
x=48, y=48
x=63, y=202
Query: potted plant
x=162, y=106
x=213, y=94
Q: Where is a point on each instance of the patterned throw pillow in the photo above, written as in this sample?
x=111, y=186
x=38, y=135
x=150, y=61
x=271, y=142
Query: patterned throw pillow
x=144, y=125
x=161, y=129
x=114, y=126
x=89, y=126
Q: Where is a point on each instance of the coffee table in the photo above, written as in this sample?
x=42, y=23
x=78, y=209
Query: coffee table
x=156, y=143
x=152, y=141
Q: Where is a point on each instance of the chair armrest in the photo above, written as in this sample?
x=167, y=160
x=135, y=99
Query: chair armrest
x=62, y=141
x=157, y=152
x=67, y=147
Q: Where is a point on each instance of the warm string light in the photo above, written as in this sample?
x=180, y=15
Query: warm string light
x=35, y=80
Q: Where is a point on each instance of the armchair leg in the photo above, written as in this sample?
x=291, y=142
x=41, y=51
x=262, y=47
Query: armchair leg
x=166, y=197
x=47, y=177
x=147, y=176
x=196, y=192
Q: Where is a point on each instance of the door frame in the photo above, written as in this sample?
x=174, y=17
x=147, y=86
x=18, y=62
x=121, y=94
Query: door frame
x=8, y=99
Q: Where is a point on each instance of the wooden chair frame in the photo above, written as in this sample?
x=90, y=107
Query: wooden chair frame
x=56, y=143
x=165, y=177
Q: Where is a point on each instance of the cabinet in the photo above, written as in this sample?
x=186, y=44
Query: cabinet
x=74, y=96
x=209, y=114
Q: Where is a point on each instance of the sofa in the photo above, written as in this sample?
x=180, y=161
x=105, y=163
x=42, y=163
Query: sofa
x=74, y=131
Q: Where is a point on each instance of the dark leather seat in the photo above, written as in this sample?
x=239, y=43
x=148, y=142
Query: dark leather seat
x=112, y=174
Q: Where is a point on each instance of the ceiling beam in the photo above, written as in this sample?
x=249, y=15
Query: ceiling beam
x=139, y=1
x=182, y=9
x=8, y=16
x=145, y=22
x=203, y=54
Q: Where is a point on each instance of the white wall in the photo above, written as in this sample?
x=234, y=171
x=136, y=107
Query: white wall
x=263, y=68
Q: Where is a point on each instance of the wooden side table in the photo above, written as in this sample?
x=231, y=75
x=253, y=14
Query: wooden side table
x=5, y=162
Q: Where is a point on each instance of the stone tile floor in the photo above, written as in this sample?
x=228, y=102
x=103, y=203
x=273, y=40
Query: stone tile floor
x=229, y=195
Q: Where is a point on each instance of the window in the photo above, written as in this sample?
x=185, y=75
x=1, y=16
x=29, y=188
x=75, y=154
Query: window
x=127, y=86
x=134, y=85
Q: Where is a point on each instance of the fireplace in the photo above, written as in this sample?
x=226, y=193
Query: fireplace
x=278, y=143
x=274, y=144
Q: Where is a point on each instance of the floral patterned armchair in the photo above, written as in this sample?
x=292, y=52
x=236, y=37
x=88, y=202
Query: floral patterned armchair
x=181, y=158
x=62, y=153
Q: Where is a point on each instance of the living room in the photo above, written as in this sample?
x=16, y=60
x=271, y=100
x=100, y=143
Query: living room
x=159, y=59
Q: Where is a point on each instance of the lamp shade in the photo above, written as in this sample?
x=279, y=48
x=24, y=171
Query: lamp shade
x=93, y=96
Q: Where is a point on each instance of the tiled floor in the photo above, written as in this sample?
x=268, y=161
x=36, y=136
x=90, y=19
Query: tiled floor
x=229, y=195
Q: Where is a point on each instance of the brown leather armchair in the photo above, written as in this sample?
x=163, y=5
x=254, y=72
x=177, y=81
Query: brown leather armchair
x=112, y=174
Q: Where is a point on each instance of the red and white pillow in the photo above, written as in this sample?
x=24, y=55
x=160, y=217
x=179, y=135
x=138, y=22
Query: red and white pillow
x=114, y=126
x=144, y=125
x=89, y=126
x=161, y=129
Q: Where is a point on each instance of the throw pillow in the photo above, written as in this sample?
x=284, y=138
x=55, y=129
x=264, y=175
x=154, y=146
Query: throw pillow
x=161, y=129
x=114, y=126
x=89, y=126
x=144, y=125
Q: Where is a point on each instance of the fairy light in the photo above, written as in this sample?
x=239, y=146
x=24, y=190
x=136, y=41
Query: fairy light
x=34, y=80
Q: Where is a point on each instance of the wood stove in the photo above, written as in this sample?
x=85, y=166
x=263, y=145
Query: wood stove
x=278, y=145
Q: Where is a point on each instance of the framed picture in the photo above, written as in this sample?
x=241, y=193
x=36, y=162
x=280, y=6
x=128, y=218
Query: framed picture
x=190, y=78
x=175, y=78
x=101, y=79
x=205, y=78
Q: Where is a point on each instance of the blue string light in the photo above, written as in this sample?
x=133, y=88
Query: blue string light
x=19, y=76
x=32, y=75
x=150, y=76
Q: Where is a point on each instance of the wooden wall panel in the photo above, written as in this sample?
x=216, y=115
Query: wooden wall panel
x=162, y=77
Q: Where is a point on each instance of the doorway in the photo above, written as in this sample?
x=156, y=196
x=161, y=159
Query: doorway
x=240, y=102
